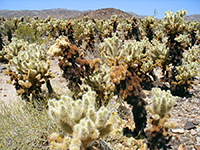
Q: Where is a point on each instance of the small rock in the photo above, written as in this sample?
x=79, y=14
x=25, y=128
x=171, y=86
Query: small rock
x=197, y=147
x=178, y=130
x=198, y=129
x=193, y=132
x=189, y=125
x=2, y=67
x=182, y=147
x=195, y=122
x=198, y=140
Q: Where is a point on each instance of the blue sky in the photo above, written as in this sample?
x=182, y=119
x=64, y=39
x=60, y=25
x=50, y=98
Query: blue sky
x=140, y=7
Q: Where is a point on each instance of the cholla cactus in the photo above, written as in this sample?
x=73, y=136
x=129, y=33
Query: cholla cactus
x=189, y=68
x=133, y=50
x=174, y=20
x=157, y=134
x=81, y=119
x=30, y=62
x=15, y=47
x=31, y=69
x=99, y=81
x=187, y=71
x=162, y=102
x=58, y=48
x=110, y=50
x=183, y=39
x=192, y=55
x=148, y=66
x=173, y=27
x=159, y=51
x=148, y=27
x=193, y=32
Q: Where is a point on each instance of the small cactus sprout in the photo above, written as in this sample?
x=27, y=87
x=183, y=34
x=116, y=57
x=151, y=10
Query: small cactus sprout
x=162, y=101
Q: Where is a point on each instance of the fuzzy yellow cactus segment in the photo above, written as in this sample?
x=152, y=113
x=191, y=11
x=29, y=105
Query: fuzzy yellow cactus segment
x=107, y=28
x=31, y=62
x=31, y=68
x=174, y=20
x=193, y=31
x=89, y=27
x=159, y=51
x=147, y=27
x=133, y=50
x=14, y=48
x=99, y=81
x=183, y=39
x=110, y=50
x=192, y=55
x=81, y=120
x=190, y=66
x=147, y=66
x=58, y=47
x=187, y=71
x=163, y=101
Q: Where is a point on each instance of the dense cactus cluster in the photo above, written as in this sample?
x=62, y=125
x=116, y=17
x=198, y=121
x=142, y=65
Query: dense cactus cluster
x=105, y=61
x=31, y=67
x=81, y=120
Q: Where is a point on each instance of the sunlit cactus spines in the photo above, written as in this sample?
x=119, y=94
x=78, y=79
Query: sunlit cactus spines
x=162, y=101
x=81, y=120
x=173, y=19
x=58, y=47
x=15, y=47
x=110, y=50
x=31, y=67
x=134, y=50
x=100, y=82
x=157, y=132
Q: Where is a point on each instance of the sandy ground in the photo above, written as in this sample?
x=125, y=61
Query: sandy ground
x=7, y=91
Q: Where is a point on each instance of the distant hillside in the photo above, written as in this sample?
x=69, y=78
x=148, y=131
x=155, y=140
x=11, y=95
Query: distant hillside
x=54, y=13
x=65, y=13
x=106, y=13
x=192, y=18
x=136, y=15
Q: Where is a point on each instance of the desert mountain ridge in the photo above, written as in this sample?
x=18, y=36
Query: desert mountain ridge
x=104, y=13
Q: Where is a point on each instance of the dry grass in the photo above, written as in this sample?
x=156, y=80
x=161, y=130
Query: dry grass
x=24, y=127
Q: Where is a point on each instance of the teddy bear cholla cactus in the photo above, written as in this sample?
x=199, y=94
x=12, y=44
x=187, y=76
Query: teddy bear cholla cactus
x=189, y=68
x=72, y=62
x=14, y=48
x=163, y=102
x=99, y=81
x=110, y=50
x=31, y=70
x=133, y=50
x=81, y=120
